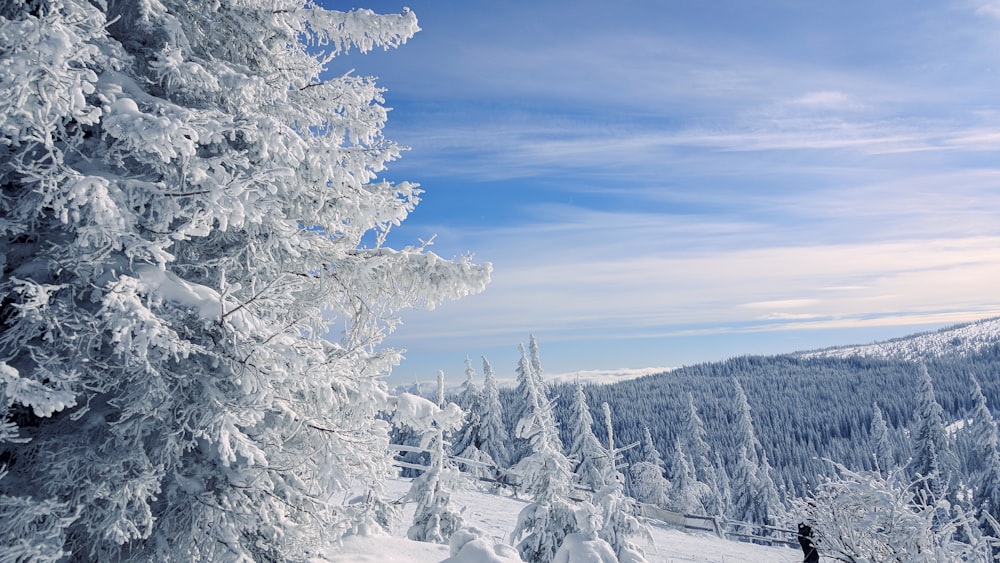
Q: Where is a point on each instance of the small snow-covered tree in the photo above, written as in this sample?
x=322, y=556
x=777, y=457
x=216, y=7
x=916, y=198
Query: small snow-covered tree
x=590, y=458
x=619, y=524
x=468, y=441
x=493, y=432
x=686, y=491
x=881, y=447
x=871, y=517
x=185, y=200
x=648, y=482
x=528, y=375
x=547, y=476
x=435, y=519
x=647, y=450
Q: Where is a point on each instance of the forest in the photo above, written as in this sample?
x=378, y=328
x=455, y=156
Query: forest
x=804, y=410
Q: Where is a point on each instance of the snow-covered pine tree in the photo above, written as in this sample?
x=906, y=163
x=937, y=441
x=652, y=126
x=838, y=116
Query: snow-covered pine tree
x=493, y=432
x=591, y=459
x=699, y=455
x=528, y=382
x=467, y=443
x=648, y=483
x=725, y=488
x=686, y=491
x=619, y=525
x=932, y=459
x=881, y=447
x=744, y=483
x=755, y=497
x=647, y=450
x=470, y=397
x=535, y=360
x=744, y=431
x=546, y=474
x=986, y=483
x=184, y=200
x=770, y=507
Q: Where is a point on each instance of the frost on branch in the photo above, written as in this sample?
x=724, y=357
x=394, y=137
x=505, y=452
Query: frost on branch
x=865, y=516
x=183, y=196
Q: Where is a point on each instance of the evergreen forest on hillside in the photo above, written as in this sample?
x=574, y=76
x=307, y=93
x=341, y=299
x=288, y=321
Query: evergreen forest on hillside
x=804, y=410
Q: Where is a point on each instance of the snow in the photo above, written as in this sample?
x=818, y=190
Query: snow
x=494, y=516
x=580, y=548
x=961, y=339
x=423, y=415
x=169, y=287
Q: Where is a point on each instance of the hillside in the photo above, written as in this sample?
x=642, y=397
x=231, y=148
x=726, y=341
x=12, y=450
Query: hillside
x=811, y=406
x=960, y=339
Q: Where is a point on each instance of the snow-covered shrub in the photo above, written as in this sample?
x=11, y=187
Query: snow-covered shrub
x=873, y=518
x=472, y=545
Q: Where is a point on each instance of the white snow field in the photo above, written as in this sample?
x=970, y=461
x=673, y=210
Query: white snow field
x=496, y=516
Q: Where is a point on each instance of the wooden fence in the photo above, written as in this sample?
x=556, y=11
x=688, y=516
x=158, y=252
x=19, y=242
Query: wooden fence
x=724, y=528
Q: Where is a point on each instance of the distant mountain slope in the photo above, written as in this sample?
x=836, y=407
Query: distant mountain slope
x=961, y=339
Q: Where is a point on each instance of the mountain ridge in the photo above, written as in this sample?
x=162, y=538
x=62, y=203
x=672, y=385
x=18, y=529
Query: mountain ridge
x=960, y=339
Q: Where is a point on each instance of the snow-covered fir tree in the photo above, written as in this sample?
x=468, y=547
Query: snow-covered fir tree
x=755, y=498
x=184, y=200
x=699, y=454
x=470, y=396
x=527, y=385
x=493, y=433
x=648, y=483
x=547, y=476
x=686, y=491
x=591, y=459
x=744, y=482
x=932, y=459
x=535, y=362
x=724, y=486
x=986, y=477
x=619, y=525
x=881, y=448
x=745, y=434
x=467, y=443
x=770, y=504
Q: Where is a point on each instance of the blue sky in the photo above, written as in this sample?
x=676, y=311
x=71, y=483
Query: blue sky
x=659, y=183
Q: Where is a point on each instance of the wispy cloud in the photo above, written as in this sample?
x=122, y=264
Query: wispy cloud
x=655, y=172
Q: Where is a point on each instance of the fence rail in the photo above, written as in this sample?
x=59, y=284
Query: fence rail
x=722, y=527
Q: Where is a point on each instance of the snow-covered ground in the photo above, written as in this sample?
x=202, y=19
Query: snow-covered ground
x=497, y=514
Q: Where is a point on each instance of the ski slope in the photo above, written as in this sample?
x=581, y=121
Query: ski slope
x=497, y=514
